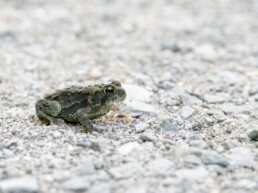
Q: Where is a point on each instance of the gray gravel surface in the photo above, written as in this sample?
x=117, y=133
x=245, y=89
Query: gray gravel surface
x=190, y=69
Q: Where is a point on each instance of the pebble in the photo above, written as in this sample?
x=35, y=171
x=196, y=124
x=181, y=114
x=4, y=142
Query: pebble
x=230, y=143
x=211, y=158
x=57, y=135
x=192, y=159
x=136, y=115
x=99, y=188
x=148, y=137
x=218, y=115
x=176, y=91
x=218, y=98
x=187, y=112
x=137, y=106
x=75, y=184
x=187, y=99
x=137, y=189
x=246, y=184
x=227, y=78
x=201, y=144
x=61, y=175
x=11, y=143
x=97, y=146
x=5, y=32
x=12, y=172
x=100, y=176
x=134, y=92
x=171, y=47
x=168, y=125
x=196, y=174
x=229, y=108
x=253, y=133
x=7, y=153
x=85, y=168
x=124, y=171
x=37, y=50
x=207, y=52
x=253, y=89
x=160, y=167
x=209, y=120
x=240, y=157
x=23, y=184
x=140, y=127
x=127, y=148
x=95, y=73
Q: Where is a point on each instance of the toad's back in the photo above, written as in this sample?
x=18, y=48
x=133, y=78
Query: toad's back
x=72, y=96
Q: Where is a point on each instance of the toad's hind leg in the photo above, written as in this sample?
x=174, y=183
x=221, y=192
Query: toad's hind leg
x=47, y=111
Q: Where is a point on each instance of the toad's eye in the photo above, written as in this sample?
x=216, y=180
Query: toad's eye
x=110, y=90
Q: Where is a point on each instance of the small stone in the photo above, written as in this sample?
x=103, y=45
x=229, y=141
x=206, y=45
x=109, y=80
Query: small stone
x=207, y=52
x=218, y=115
x=209, y=120
x=140, y=127
x=5, y=32
x=213, y=158
x=138, y=93
x=95, y=73
x=253, y=133
x=23, y=184
x=137, y=106
x=75, y=184
x=99, y=188
x=10, y=144
x=96, y=146
x=229, y=108
x=187, y=112
x=124, y=171
x=148, y=137
x=187, y=99
x=137, y=189
x=197, y=174
x=241, y=157
x=12, y=172
x=230, y=143
x=57, y=135
x=129, y=147
x=84, y=143
x=61, y=175
x=136, y=115
x=243, y=137
x=101, y=176
x=192, y=159
x=201, y=144
x=246, y=184
x=168, y=125
x=38, y=51
x=216, y=98
x=85, y=168
x=171, y=46
x=7, y=153
x=253, y=89
x=227, y=78
x=176, y=91
x=160, y=167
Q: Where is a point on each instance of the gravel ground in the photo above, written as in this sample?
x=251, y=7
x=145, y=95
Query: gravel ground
x=189, y=123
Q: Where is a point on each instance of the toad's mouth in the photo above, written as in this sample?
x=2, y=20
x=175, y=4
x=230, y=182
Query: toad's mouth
x=117, y=100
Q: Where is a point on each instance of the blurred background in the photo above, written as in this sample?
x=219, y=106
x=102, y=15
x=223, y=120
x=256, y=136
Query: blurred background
x=195, y=61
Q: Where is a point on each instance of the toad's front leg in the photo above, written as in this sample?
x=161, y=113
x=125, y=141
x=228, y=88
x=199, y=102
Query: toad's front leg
x=85, y=115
